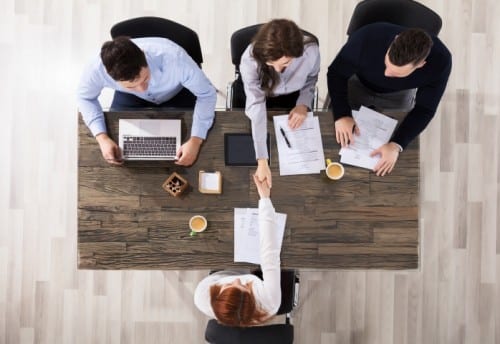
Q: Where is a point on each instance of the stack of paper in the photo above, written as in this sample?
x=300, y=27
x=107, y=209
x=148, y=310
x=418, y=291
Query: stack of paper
x=303, y=153
x=246, y=234
x=375, y=129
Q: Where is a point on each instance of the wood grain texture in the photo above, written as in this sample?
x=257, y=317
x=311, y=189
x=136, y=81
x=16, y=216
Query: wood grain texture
x=454, y=295
x=330, y=224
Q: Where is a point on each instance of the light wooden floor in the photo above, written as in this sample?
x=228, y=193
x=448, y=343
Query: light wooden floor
x=453, y=298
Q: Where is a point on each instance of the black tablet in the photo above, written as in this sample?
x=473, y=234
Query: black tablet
x=239, y=151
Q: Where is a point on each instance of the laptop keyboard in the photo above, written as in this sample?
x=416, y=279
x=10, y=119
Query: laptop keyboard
x=149, y=146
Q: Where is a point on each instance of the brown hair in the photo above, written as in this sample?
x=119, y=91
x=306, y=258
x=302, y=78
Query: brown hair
x=123, y=59
x=235, y=307
x=275, y=39
x=410, y=46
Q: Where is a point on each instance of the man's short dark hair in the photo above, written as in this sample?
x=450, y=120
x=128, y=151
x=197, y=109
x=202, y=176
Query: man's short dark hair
x=410, y=46
x=123, y=59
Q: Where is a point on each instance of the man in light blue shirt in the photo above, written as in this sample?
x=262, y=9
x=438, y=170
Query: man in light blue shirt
x=147, y=72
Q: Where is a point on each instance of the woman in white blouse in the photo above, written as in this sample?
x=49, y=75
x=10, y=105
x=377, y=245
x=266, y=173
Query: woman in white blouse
x=279, y=61
x=236, y=299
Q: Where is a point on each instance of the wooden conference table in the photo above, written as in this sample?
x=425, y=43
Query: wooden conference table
x=127, y=221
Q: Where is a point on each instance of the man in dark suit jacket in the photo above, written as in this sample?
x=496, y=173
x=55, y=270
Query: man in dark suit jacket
x=386, y=66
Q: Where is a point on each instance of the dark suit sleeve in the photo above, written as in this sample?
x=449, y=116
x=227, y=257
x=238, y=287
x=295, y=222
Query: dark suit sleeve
x=426, y=103
x=345, y=64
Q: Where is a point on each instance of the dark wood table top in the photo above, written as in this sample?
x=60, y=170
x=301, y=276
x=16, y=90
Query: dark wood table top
x=127, y=221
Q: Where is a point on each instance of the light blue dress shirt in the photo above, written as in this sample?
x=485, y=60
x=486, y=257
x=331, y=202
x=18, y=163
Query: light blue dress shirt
x=171, y=69
x=301, y=75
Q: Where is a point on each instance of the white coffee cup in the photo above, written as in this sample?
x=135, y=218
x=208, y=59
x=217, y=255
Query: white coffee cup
x=197, y=224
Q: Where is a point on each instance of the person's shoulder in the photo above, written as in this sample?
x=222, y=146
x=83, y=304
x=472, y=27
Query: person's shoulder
x=208, y=281
x=311, y=48
x=440, y=48
x=257, y=283
x=151, y=41
x=372, y=37
x=158, y=46
x=440, y=59
x=247, y=60
x=95, y=67
x=247, y=53
x=311, y=53
x=378, y=29
x=95, y=63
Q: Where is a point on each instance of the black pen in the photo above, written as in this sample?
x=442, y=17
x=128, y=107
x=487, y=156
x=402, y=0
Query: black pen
x=286, y=138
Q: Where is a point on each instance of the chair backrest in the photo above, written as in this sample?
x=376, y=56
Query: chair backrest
x=241, y=39
x=216, y=333
x=407, y=13
x=160, y=27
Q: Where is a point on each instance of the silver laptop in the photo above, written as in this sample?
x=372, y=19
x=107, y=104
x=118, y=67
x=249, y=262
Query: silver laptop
x=149, y=139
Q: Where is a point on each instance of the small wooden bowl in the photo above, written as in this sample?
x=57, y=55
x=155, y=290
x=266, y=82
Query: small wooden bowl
x=175, y=184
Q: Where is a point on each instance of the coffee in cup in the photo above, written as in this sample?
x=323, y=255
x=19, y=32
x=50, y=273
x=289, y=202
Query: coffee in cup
x=334, y=170
x=197, y=224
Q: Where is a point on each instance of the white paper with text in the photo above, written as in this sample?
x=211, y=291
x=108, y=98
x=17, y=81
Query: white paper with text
x=246, y=234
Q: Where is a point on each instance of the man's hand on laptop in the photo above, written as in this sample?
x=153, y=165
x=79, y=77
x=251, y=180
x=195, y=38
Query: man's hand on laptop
x=188, y=152
x=109, y=149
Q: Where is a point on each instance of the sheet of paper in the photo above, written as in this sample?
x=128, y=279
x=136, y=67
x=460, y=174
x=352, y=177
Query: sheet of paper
x=375, y=130
x=210, y=181
x=355, y=158
x=305, y=154
x=246, y=234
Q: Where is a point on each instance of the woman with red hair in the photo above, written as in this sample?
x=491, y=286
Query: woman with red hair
x=237, y=299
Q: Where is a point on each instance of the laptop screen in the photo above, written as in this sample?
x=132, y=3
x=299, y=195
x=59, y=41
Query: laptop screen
x=149, y=139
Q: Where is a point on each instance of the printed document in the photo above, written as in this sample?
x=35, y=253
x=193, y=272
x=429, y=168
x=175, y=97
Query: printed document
x=300, y=150
x=375, y=130
x=246, y=234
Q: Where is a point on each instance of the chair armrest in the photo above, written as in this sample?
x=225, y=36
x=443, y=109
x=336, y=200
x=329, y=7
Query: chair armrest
x=315, y=99
x=229, y=98
x=327, y=102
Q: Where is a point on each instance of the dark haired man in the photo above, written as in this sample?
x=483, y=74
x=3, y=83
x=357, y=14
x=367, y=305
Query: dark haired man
x=389, y=68
x=146, y=72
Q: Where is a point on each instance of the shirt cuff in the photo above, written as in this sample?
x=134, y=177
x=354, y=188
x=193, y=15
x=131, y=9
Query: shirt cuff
x=399, y=146
x=202, y=134
x=305, y=100
x=261, y=150
x=265, y=201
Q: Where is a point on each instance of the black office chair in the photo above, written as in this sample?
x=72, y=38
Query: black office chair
x=160, y=27
x=408, y=13
x=177, y=33
x=216, y=333
x=235, y=92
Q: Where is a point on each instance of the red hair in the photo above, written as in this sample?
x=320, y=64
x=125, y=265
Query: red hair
x=236, y=307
